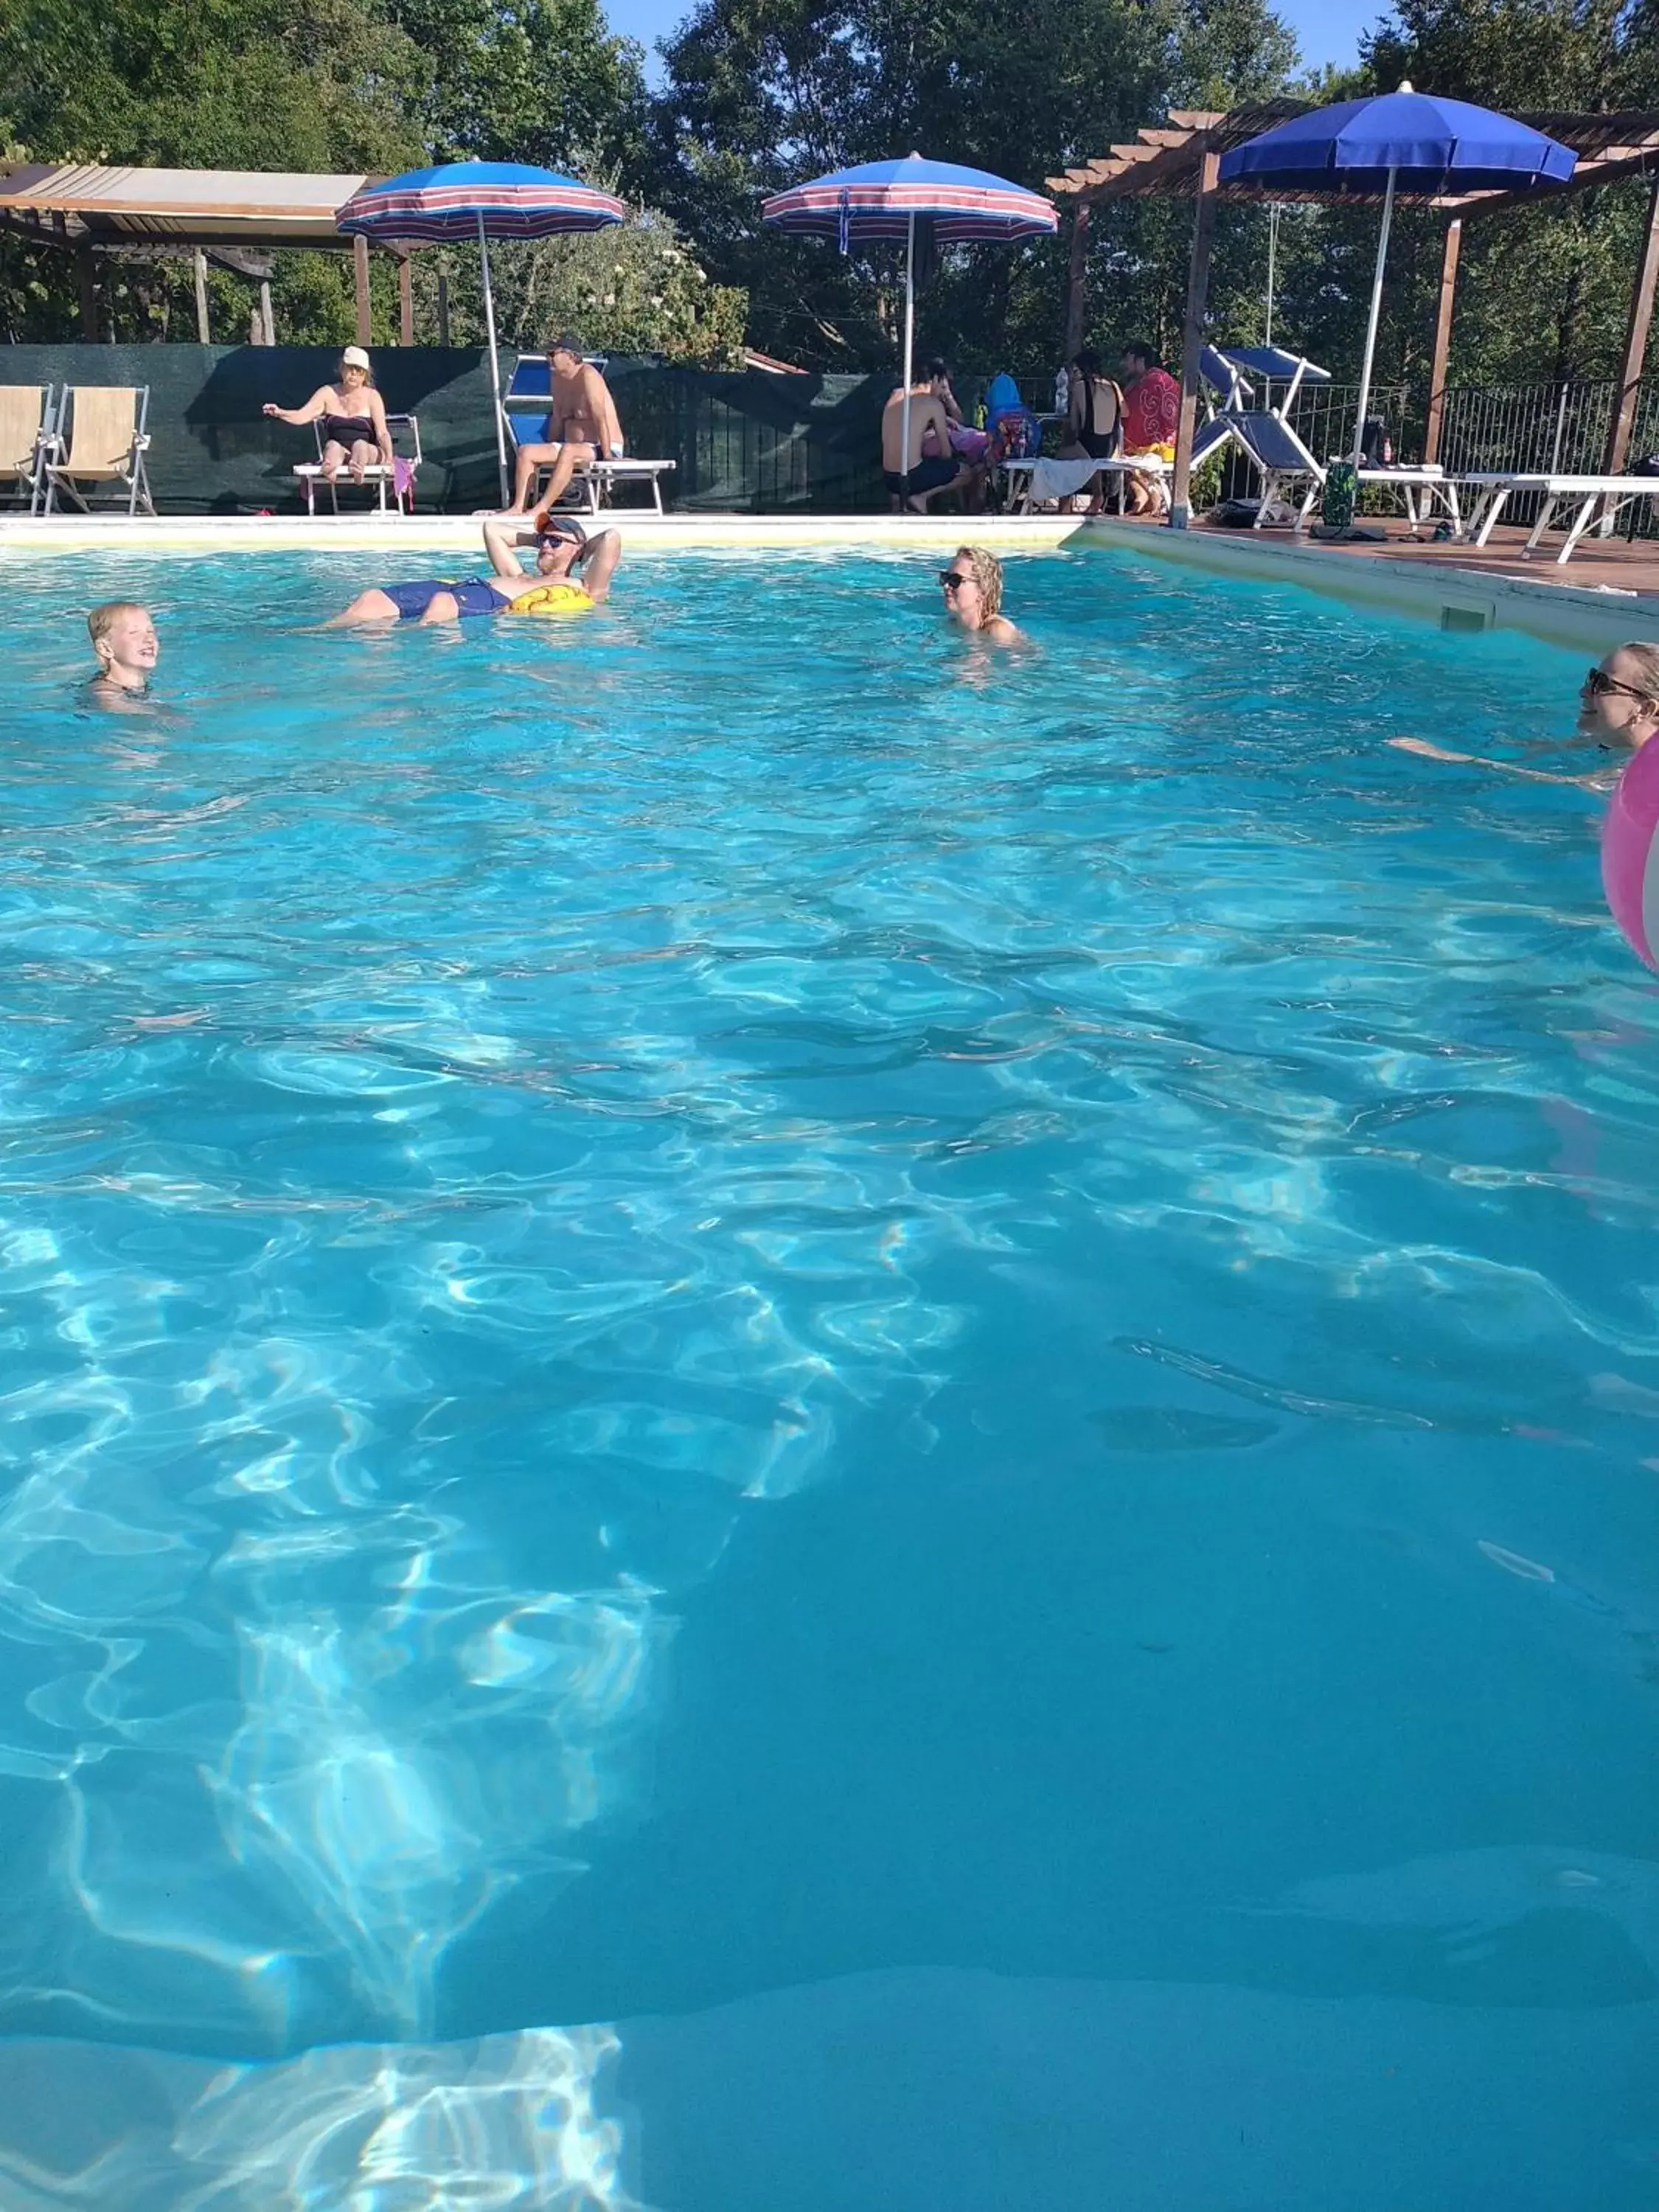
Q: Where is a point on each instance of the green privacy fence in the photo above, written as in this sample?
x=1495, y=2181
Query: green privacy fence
x=752, y=442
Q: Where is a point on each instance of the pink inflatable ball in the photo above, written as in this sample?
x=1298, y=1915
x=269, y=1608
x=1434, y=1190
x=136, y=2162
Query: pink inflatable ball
x=1630, y=837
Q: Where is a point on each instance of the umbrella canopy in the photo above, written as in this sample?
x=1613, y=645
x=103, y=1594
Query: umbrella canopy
x=511, y=199
x=482, y=200
x=1402, y=141
x=887, y=199
x=1427, y=144
x=882, y=199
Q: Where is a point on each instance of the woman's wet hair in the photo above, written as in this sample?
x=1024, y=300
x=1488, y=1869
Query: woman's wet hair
x=1646, y=658
x=987, y=574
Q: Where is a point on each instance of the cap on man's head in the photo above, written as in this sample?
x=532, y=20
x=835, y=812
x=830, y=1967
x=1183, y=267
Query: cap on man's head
x=566, y=343
x=354, y=358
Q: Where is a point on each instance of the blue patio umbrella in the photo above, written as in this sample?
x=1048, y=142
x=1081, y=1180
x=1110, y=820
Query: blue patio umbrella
x=887, y=199
x=482, y=200
x=1403, y=141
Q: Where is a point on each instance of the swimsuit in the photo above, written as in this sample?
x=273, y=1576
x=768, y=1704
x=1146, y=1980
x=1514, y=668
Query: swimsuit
x=1099, y=445
x=928, y=475
x=473, y=598
x=347, y=430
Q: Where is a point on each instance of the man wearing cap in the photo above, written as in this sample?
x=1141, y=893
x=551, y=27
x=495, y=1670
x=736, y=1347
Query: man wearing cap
x=564, y=554
x=581, y=426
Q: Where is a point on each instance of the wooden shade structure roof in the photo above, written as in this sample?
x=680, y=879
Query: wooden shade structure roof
x=1181, y=159
x=1167, y=161
x=236, y=218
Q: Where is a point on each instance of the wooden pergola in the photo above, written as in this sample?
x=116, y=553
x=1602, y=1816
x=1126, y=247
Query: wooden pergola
x=235, y=217
x=1182, y=160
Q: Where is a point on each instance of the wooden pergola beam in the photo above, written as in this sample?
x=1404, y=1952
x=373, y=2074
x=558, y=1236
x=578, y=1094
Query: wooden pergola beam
x=1443, y=323
x=1636, y=345
x=1192, y=337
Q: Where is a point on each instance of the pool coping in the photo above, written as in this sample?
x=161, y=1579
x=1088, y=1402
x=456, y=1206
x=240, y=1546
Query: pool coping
x=1451, y=597
x=371, y=532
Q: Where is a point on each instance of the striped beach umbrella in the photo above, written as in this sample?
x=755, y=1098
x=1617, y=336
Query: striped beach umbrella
x=887, y=199
x=482, y=200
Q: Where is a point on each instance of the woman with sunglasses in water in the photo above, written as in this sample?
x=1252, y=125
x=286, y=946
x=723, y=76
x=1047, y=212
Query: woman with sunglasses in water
x=972, y=585
x=562, y=548
x=1618, y=706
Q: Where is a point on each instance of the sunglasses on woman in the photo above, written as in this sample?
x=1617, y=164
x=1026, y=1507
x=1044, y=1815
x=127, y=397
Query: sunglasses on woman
x=952, y=580
x=1600, y=685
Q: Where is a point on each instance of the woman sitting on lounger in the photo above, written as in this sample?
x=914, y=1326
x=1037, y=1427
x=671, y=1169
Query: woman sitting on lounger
x=1094, y=419
x=353, y=416
x=562, y=547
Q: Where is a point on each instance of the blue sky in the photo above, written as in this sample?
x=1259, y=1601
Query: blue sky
x=1328, y=30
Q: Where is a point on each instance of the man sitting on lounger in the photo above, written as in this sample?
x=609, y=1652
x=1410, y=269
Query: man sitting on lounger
x=581, y=427
x=915, y=478
x=562, y=547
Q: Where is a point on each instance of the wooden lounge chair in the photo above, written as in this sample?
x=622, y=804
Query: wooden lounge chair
x=26, y=426
x=377, y=478
x=106, y=444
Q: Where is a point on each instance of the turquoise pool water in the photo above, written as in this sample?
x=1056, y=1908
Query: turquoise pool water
x=865, y=1425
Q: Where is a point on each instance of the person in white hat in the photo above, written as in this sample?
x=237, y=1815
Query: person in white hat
x=354, y=434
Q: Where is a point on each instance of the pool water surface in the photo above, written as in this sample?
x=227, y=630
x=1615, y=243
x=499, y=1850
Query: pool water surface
x=795, y=1416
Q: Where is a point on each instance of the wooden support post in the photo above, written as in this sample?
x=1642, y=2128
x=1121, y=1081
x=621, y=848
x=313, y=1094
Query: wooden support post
x=86, y=270
x=267, y=319
x=443, y=307
x=204, y=333
x=359, y=270
x=1077, y=281
x=1443, y=323
x=1636, y=347
x=1192, y=337
x=405, y=303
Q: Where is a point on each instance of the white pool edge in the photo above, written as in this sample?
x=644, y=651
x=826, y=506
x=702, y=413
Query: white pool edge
x=1575, y=616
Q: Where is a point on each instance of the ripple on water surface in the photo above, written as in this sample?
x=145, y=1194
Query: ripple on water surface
x=643, y=1260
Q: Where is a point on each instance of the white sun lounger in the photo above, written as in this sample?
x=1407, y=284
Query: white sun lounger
x=377, y=478
x=1424, y=485
x=1600, y=499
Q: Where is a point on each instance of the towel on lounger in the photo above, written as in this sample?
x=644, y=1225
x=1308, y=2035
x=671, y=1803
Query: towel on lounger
x=1060, y=479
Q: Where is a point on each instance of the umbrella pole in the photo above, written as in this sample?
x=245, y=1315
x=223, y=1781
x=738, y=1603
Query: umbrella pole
x=494, y=365
x=1370, y=328
x=909, y=350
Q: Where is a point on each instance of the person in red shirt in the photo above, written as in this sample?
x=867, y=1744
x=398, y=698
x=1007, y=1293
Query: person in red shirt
x=1152, y=415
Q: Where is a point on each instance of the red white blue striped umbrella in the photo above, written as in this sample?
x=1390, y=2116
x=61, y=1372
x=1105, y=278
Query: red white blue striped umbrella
x=482, y=200
x=886, y=199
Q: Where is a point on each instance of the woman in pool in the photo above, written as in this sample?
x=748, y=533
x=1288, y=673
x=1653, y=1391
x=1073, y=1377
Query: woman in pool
x=562, y=546
x=972, y=585
x=353, y=414
x=1618, y=706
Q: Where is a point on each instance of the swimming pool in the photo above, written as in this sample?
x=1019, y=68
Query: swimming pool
x=855, y=1420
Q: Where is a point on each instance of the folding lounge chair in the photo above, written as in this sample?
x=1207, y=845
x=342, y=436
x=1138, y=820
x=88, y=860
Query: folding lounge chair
x=106, y=443
x=524, y=410
x=1262, y=433
x=27, y=425
x=1277, y=453
x=1600, y=499
x=377, y=478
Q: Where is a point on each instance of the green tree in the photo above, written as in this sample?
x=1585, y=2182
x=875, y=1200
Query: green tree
x=761, y=93
x=636, y=288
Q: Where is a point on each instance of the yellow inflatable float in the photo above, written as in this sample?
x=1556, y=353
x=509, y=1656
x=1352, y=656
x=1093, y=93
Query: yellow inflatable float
x=552, y=600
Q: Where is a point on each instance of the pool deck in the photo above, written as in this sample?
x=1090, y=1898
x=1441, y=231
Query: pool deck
x=1609, y=590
